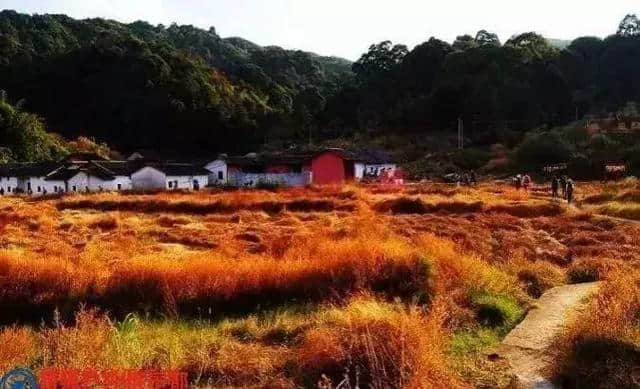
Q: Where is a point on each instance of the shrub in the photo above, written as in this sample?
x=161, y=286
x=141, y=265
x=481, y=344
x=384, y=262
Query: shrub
x=496, y=311
x=537, y=277
x=601, y=363
x=471, y=159
x=593, y=269
x=542, y=148
x=604, y=351
x=382, y=345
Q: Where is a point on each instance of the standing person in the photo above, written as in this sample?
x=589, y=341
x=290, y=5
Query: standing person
x=518, y=181
x=569, y=191
x=554, y=186
x=563, y=186
x=465, y=179
x=474, y=177
x=526, y=182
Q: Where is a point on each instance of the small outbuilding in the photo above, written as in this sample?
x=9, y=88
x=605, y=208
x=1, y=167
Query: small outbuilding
x=336, y=166
x=333, y=167
x=171, y=176
x=254, y=169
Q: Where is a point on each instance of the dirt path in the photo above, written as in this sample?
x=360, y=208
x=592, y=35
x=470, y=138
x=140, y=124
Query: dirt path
x=527, y=347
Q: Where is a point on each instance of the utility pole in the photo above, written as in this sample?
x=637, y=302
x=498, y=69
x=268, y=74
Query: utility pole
x=460, y=134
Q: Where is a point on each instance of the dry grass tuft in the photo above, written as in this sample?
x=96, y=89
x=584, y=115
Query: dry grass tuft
x=105, y=222
x=594, y=269
x=604, y=351
x=18, y=347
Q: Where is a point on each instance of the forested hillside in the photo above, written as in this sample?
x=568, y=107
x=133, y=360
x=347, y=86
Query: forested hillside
x=499, y=90
x=187, y=89
x=179, y=87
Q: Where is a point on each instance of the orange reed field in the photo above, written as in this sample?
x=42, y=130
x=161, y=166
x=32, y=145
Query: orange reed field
x=383, y=287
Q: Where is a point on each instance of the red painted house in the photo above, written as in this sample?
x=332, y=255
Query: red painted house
x=333, y=166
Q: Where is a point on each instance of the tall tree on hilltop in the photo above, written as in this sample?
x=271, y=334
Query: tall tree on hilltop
x=629, y=26
x=535, y=45
x=486, y=38
x=464, y=42
x=380, y=58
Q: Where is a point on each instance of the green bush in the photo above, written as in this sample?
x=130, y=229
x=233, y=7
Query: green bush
x=496, y=311
x=539, y=149
x=471, y=159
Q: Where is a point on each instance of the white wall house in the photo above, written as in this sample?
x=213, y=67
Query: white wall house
x=170, y=177
x=38, y=186
x=83, y=180
x=148, y=178
x=219, y=173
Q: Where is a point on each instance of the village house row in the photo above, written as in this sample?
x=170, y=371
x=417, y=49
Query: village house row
x=142, y=171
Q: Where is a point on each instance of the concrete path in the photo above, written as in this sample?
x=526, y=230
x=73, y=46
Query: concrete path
x=527, y=347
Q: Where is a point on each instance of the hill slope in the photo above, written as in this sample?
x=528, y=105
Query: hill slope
x=177, y=87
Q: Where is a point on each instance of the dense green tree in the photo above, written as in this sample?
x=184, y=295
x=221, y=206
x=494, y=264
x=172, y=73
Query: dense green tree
x=380, y=58
x=464, y=42
x=535, y=45
x=24, y=137
x=486, y=38
x=629, y=26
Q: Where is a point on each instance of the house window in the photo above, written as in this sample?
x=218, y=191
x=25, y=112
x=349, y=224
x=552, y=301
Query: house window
x=170, y=184
x=38, y=189
x=55, y=188
x=28, y=186
x=220, y=175
x=175, y=184
x=73, y=188
x=8, y=189
x=119, y=186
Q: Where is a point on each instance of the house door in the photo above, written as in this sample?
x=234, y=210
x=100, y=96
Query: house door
x=196, y=185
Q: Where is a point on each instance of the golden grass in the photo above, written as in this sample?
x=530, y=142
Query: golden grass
x=290, y=288
x=373, y=343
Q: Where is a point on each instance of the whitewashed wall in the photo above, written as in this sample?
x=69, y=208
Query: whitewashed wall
x=217, y=168
x=203, y=181
x=38, y=185
x=377, y=167
x=79, y=183
x=124, y=181
x=284, y=179
x=97, y=184
x=148, y=178
x=8, y=184
x=182, y=182
x=358, y=170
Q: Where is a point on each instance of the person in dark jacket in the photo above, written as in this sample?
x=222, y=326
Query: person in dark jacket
x=555, y=183
x=569, y=191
